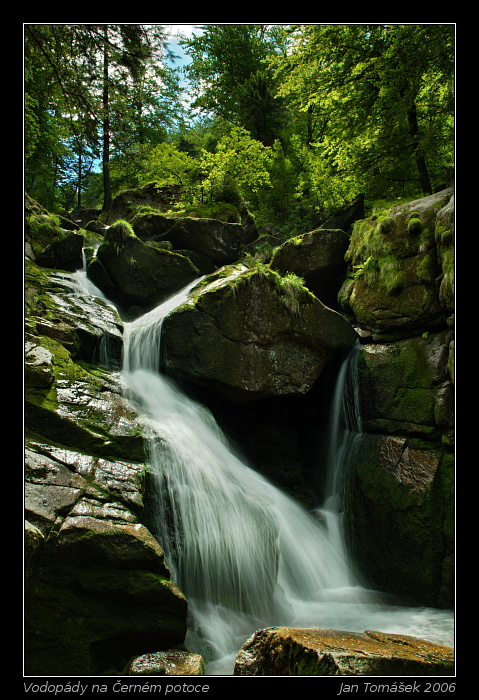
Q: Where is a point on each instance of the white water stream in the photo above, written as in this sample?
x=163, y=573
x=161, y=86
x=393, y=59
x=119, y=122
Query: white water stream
x=246, y=555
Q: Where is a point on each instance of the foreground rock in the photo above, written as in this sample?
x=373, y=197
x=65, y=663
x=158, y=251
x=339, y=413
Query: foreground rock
x=249, y=333
x=281, y=651
x=167, y=663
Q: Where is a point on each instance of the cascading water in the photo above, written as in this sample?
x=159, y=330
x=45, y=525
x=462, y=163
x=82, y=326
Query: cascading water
x=246, y=555
x=343, y=439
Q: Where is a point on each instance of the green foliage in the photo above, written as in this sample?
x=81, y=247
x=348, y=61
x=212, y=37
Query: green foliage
x=238, y=169
x=296, y=120
x=361, y=269
x=231, y=79
x=290, y=288
x=121, y=229
x=166, y=165
x=368, y=81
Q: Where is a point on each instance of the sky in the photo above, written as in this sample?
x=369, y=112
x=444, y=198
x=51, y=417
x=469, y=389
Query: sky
x=186, y=30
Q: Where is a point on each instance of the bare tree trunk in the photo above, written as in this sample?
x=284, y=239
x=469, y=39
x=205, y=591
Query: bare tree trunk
x=106, y=128
x=419, y=157
x=80, y=175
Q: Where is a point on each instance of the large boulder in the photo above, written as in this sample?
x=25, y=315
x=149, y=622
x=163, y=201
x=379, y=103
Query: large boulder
x=401, y=518
x=129, y=202
x=318, y=256
x=135, y=274
x=250, y=333
x=400, y=259
x=407, y=388
x=220, y=241
x=89, y=328
x=282, y=651
x=50, y=240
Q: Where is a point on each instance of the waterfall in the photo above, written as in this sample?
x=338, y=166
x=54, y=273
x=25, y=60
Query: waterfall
x=246, y=555
x=343, y=439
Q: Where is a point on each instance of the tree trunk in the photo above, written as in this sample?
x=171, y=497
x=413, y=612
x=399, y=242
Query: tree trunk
x=419, y=157
x=79, y=181
x=106, y=129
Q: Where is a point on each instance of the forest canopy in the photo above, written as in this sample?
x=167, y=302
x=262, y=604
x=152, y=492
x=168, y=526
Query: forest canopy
x=291, y=121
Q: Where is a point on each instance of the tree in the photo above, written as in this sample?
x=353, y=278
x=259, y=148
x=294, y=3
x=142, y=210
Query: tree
x=385, y=93
x=240, y=164
x=108, y=75
x=231, y=79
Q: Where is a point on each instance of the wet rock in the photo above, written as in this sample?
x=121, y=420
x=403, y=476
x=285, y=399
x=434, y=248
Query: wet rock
x=87, y=326
x=167, y=663
x=403, y=474
x=281, y=651
x=401, y=519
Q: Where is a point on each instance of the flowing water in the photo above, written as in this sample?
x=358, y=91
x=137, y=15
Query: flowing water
x=246, y=555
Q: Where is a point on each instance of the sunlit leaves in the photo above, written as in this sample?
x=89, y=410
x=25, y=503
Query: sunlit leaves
x=240, y=157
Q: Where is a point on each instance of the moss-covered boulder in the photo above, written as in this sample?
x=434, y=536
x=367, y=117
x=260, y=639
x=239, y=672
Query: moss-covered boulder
x=407, y=389
x=132, y=273
x=397, y=269
x=151, y=225
x=220, y=241
x=283, y=651
x=318, y=257
x=129, y=202
x=248, y=333
x=50, y=240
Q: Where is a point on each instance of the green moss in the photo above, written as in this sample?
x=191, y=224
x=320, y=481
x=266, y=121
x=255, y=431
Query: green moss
x=426, y=268
x=221, y=211
x=391, y=276
x=292, y=290
x=121, y=229
x=385, y=224
x=414, y=226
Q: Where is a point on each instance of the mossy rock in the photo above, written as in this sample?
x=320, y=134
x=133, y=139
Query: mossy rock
x=401, y=385
x=250, y=333
x=396, y=522
x=133, y=273
x=392, y=290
